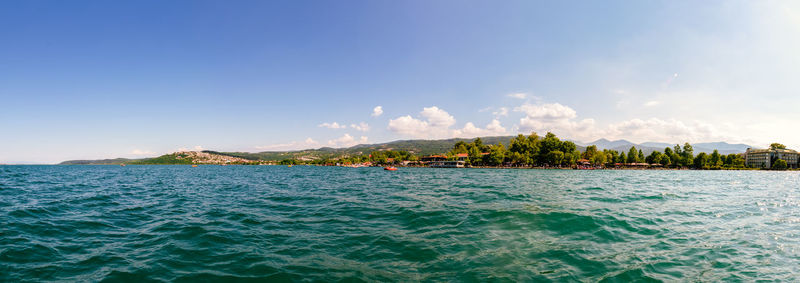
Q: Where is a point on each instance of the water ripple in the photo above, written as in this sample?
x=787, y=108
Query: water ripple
x=264, y=223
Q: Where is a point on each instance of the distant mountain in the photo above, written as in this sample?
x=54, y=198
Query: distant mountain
x=116, y=161
x=181, y=157
x=648, y=147
x=660, y=145
x=607, y=144
x=722, y=146
x=417, y=147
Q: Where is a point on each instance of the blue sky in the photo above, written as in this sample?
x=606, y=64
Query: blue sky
x=103, y=79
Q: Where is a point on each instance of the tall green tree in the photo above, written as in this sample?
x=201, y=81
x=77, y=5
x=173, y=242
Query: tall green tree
x=554, y=157
x=598, y=158
x=496, y=155
x=459, y=147
x=780, y=164
x=653, y=158
x=571, y=153
x=590, y=151
x=475, y=156
x=716, y=159
x=675, y=156
x=523, y=150
x=777, y=146
x=687, y=155
x=632, y=155
x=701, y=160
x=549, y=143
x=665, y=161
x=568, y=146
x=621, y=157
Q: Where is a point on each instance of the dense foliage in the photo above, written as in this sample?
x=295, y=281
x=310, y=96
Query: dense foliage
x=780, y=164
x=167, y=159
x=549, y=151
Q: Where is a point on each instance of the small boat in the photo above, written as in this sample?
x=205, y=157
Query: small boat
x=390, y=168
x=123, y=165
x=194, y=165
x=290, y=166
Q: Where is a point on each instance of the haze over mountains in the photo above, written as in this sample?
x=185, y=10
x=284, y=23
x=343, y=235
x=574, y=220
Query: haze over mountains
x=648, y=147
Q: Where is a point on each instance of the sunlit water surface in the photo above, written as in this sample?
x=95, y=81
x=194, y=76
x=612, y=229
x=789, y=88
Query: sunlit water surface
x=271, y=223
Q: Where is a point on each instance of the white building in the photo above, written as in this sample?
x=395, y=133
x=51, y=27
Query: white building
x=764, y=158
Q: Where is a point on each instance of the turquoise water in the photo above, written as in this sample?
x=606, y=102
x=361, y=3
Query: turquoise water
x=271, y=223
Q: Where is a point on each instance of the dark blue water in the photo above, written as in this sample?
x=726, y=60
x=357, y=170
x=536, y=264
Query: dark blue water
x=270, y=223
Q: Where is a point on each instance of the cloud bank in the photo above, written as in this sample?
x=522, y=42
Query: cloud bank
x=347, y=141
x=332, y=125
x=436, y=123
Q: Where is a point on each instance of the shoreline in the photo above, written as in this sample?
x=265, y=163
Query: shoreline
x=400, y=166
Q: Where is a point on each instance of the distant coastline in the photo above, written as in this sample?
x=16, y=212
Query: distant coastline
x=532, y=151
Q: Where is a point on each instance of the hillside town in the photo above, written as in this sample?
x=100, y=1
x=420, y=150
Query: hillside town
x=200, y=157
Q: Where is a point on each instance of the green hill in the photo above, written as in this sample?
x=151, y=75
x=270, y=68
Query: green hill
x=416, y=147
x=115, y=161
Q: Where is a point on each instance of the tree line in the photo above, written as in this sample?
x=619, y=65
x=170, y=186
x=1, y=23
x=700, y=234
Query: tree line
x=550, y=151
x=675, y=157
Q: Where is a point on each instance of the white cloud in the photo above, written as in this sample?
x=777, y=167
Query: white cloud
x=501, y=112
x=295, y=145
x=408, y=126
x=556, y=118
x=565, y=128
x=377, y=111
x=562, y=121
x=437, y=123
x=519, y=95
x=142, y=152
x=437, y=118
x=347, y=141
x=492, y=129
x=669, y=130
x=333, y=125
x=364, y=127
x=195, y=148
x=546, y=111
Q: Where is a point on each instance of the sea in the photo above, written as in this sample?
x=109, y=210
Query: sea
x=335, y=224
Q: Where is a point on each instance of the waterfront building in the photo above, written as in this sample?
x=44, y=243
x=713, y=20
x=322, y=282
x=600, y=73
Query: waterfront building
x=447, y=164
x=764, y=158
x=431, y=158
